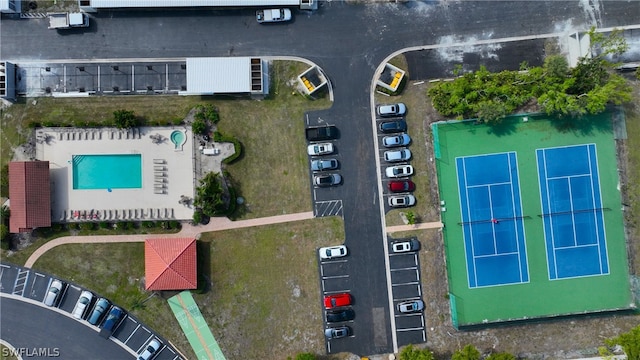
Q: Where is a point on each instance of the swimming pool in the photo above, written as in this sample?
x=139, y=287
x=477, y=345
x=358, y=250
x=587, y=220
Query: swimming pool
x=109, y=171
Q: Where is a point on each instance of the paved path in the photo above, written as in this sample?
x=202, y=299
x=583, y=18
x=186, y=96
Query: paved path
x=420, y=226
x=188, y=230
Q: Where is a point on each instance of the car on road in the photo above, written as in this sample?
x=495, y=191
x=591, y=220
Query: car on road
x=82, y=304
x=327, y=180
x=320, y=149
x=402, y=200
x=401, y=186
x=340, y=315
x=337, y=300
x=398, y=109
x=396, y=140
x=411, y=306
x=397, y=155
x=113, y=319
x=405, y=245
x=99, y=309
x=324, y=164
x=55, y=289
x=150, y=350
x=337, y=332
x=399, y=171
x=393, y=126
x=332, y=252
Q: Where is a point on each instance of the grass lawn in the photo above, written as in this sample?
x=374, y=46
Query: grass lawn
x=264, y=296
x=632, y=185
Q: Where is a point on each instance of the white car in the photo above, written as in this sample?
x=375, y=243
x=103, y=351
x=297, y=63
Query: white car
x=320, y=149
x=150, y=350
x=81, y=305
x=411, y=306
x=333, y=252
x=406, y=245
x=399, y=171
x=52, y=294
x=396, y=140
x=273, y=15
x=398, y=109
x=397, y=155
x=402, y=200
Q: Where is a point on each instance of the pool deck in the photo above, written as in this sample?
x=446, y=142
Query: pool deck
x=167, y=173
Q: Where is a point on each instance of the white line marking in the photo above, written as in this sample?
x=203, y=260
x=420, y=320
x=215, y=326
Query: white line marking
x=130, y=335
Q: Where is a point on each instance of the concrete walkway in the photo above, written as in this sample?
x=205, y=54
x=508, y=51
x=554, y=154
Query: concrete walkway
x=420, y=226
x=188, y=230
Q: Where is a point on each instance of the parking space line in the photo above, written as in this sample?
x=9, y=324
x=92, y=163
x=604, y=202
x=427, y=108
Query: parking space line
x=335, y=277
x=405, y=269
x=336, y=292
x=410, y=329
x=145, y=343
x=408, y=315
x=333, y=261
x=407, y=283
x=21, y=280
x=130, y=335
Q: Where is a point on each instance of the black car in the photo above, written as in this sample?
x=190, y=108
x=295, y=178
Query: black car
x=393, y=126
x=340, y=315
x=321, y=133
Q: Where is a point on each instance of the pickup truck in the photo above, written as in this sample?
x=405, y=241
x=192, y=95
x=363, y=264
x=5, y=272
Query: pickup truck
x=65, y=20
x=321, y=133
x=273, y=15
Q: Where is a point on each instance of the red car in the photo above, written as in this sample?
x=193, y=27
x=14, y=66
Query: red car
x=401, y=186
x=337, y=300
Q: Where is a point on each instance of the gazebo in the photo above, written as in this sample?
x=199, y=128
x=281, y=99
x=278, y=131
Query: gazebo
x=170, y=264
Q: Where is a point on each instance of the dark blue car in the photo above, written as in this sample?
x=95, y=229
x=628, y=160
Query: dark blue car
x=111, y=322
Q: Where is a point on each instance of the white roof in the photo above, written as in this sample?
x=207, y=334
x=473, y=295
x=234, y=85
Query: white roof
x=188, y=3
x=218, y=75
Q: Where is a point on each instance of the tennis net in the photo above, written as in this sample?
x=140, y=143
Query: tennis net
x=574, y=212
x=495, y=220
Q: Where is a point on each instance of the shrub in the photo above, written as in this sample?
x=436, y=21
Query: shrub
x=124, y=225
x=149, y=224
x=125, y=119
x=104, y=225
x=199, y=127
x=50, y=124
x=57, y=227
x=86, y=226
x=173, y=224
x=197, y=217
x=34, y=124
x=237, y=146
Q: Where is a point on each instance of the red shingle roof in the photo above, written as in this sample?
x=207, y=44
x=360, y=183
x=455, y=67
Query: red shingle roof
x=170, y=264
x=30, y=195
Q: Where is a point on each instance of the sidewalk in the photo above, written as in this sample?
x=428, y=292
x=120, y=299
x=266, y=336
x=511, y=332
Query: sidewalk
x=420, y=226
x=188, y=230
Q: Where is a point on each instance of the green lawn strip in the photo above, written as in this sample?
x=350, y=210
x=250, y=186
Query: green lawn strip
x=264, y=286
x=632, y=186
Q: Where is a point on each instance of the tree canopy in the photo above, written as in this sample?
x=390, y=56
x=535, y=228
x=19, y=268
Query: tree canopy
x=411, y=353
x=630, y=343
x=210, y=196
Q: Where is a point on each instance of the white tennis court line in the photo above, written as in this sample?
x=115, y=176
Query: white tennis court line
x=462, y=211
x=518, y=235
x=593, y=186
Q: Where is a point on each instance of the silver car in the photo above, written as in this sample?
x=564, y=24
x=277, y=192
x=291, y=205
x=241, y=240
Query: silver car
x=399, y=171
x=55, y=289
x=397, y=155
x=324, y=164
x=402, y=200
x=412, y=306
x=82, y=304
x=337, y=332
x=150, y=350
x=398, y=109
x=396, y=140
x=320, y=149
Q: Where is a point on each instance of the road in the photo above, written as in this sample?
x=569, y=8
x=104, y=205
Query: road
x=348, y=41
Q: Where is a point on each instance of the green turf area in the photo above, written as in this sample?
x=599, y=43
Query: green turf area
x=540, y=297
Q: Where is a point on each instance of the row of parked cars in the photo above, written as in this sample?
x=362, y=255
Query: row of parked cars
x=392, y=122
x=337, y=306
x=321, y=165
x=100, y=313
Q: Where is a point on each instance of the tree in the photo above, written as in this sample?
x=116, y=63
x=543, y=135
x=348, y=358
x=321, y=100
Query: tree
x=556, y=67
x=125, y=119
x=210, y=196
x=199, y=126
x=491, y=112
x=501, y=356
x=630, y=343
x=469, y=352
x=306, y=356
x=411, y=353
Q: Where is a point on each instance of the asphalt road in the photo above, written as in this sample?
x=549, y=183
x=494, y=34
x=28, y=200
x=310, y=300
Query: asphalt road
x=53, y=333
x=348, y=41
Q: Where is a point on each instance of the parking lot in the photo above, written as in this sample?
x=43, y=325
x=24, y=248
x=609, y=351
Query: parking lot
x=405, y=283
x=334, y=279
x=33, y=285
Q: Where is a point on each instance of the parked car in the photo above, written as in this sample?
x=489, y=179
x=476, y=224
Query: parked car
x=321, y=133
x=55, y=289
x=150, y=350
x=273, y=15
x=405, y=245
x=402, y=200
x=411, y=306
x=401, y=186
x=393, y=126
x=112, y=320
x=320, y=149
x=396, y=140
x=337, y=332
x=99, y=309
x=324, y=164
x=397, y=155
x=333, y=252
x=399, y=171
x=337, y=300
x=327, y=180
x=82, y=304
x=398, y=109
x=340, y=315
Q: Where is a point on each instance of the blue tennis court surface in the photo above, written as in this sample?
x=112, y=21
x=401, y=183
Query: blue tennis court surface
x=492, y=219
x=572, y=211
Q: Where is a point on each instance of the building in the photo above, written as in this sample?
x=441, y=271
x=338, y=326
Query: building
x=95, y=5
x=170, y=264
x=7, y=80
x=29, y=195
x=10, y=6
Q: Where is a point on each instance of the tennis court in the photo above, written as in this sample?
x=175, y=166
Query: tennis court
x=492, y=219
x=525, y=207
x=572, y=211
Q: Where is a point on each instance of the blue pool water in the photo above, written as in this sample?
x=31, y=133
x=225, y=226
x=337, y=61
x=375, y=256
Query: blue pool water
x=113, y=171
